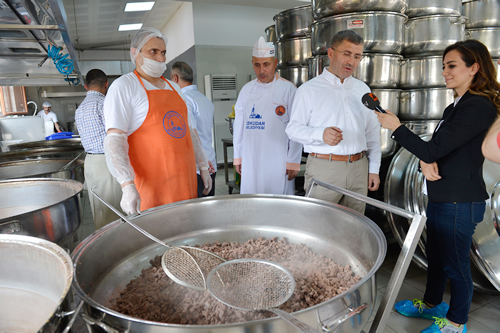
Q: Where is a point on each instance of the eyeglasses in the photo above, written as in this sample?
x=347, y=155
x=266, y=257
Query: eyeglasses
x=349, y=55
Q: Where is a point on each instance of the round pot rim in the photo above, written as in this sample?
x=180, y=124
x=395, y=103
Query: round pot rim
x=369, y=13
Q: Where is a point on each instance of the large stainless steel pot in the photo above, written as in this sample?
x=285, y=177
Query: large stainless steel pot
x=336, y=232
x=293, y=22
x=293, y=51
x=389, y=100
x=324, y=8
x=35, y=280
x=484, y=13
x=36, y=153
x=47, y=208
x=424, y=104
x=296, y=75
x=75, y=143
x=430, y=35
x=43, y=168
x=421, y=127
x=316, y=65
x=379, y=70
x=382, y=31
x=271, y=34
x=403, y=189
x=433, y=7
x=488, y=36
x=495, y=62
x=422, y=72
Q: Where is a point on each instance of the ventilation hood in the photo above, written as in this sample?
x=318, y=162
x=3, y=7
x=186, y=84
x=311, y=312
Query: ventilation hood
x=27, y=28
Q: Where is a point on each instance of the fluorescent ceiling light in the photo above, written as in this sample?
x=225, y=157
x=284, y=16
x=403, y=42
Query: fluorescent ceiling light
x=139, y=6
x=128, y=27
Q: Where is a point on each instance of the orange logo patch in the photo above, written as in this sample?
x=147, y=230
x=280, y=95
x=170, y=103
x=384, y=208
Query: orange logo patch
x=280, y=110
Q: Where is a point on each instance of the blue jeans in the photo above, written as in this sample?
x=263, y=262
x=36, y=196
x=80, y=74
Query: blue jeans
x=450, y=227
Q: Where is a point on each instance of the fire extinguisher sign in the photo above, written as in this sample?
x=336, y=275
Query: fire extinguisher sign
x=355, y=24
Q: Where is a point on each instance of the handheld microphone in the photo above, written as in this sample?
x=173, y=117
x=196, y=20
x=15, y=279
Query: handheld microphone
x=371, y=102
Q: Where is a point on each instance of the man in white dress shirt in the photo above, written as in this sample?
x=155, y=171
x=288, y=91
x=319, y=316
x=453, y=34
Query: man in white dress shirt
x=264, y=156
x=203, y=117
x=340, y=134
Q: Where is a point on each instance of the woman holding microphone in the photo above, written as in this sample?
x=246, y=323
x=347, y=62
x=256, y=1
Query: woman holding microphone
x=452, y=165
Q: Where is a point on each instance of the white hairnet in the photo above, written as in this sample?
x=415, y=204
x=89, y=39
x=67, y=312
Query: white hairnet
x=141, y=38
x=46, y=104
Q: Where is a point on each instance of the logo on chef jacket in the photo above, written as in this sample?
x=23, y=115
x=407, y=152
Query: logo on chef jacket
x=255, y=124
x=174, y=124
x=280, y=110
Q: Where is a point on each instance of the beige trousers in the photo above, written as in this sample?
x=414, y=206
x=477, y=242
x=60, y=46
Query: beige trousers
x=99, y=179
x=351, y=176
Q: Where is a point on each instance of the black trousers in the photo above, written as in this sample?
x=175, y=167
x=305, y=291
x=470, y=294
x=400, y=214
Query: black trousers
x=201, y=187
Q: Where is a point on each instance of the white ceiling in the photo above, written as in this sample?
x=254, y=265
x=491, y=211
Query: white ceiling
x=94, y=23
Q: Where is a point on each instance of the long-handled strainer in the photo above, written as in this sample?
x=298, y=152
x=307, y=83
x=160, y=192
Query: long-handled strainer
x=255, y=284
x=185, y=265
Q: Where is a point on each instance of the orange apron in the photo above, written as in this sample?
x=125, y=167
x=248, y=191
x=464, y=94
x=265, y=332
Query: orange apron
x=161, y=151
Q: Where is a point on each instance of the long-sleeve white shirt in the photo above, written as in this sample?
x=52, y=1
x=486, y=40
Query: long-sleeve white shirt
x=324, y=102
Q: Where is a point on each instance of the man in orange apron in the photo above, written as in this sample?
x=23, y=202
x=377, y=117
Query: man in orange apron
x=150, y=147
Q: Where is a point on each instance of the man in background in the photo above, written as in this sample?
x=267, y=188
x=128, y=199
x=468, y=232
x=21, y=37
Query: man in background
x=49, y=115
x=267, y=160
x=203, y=114
x=89, y=118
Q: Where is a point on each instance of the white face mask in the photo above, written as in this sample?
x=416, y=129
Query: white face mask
x=152, y=68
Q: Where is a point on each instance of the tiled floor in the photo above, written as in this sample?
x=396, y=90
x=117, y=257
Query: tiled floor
x=485, y=310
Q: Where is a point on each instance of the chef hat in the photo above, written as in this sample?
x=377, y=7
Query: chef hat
x=46, y=104
x=140, y=39
x=263, y=49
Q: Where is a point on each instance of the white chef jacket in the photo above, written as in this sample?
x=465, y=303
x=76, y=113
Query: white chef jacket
x=203, y=119
x=260, y=143
x=49, y=117
x=126, y=104
x=325, y=101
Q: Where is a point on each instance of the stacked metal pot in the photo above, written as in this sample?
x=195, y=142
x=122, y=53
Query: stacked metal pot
x=431, y=27
x=484, y=25
x=293, y=43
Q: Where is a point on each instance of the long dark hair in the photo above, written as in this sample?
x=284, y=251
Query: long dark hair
x=485, y=81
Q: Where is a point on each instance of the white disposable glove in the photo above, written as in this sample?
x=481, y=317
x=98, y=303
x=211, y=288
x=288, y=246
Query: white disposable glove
x=199, y=152
x=131, y=200
x=207, y=181
x=117, y=160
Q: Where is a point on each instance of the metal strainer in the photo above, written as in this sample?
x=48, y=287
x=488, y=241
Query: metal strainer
x=255, y=284
x=185, y=265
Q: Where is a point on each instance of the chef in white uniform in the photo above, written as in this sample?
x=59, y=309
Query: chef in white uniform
x=264, y=156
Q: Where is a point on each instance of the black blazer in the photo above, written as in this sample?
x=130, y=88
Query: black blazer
x=456, y=147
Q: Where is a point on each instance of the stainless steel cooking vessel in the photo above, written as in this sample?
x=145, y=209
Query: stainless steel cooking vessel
x=316, y=64
x=293, y=51
x=484, y=13
x=271, y=34
x=421, y=127
x=75, y=143
x=36, y=153
x=296, y=75
x=430, y=35
x=488, y=36
x=433, y=7
x=43, y=168
x=293, y=22
x=379, y=70
x=47, y=208
x=335, y=231
x=422, y=72
x=324, y=8
x=424, y=104
x=403, y=189
x=495, y=62
x=35, y=279
x=382, y=31
x=389, y=100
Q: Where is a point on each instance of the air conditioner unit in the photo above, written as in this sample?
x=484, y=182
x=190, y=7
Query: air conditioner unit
x=221, y=90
